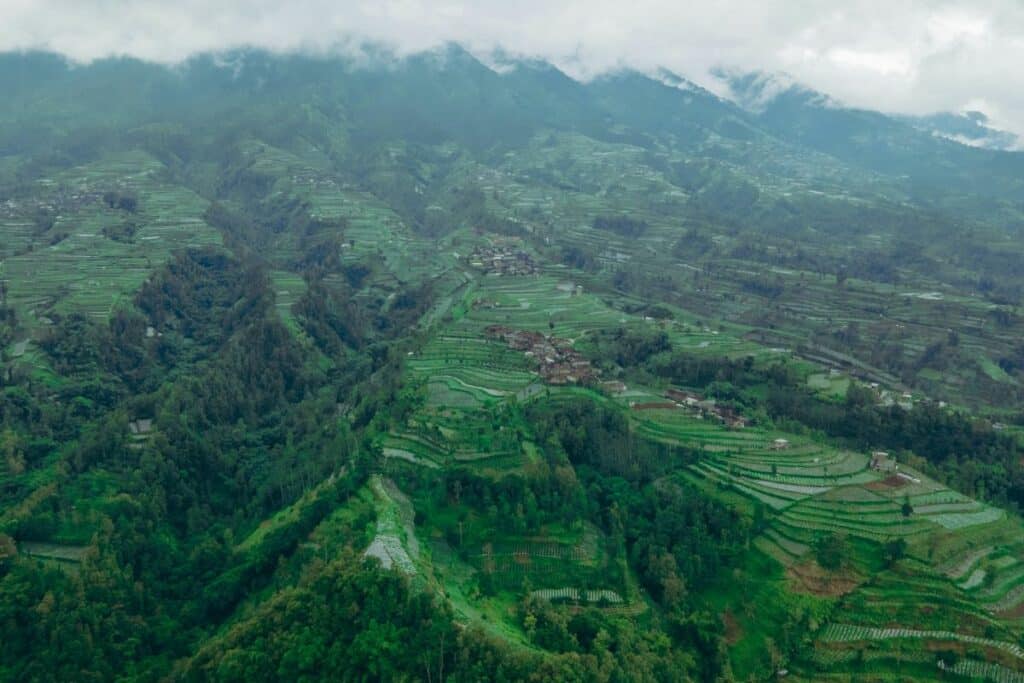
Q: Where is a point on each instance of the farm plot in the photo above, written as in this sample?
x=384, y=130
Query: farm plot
x=805, y=461
x=815, y=476
x=555, y=563
x=1001, y=581
x=784, y=492
x=537, y=303
x=783, y=549
x=986, y=671
x=54, y=551
x=408, y=456
x=994, y=576
x=959, y=567
x=370, y=231
x=962, y=520
x=419, y=448
x=288, y=289
x=466, y=371
x=679, y=427
x=816, y=489
x=837, y=633
x=74, y=267
x=968, y=556
x=878, y=527
x=1009, y=604
x=579, y=595
x=774, y=500
x=830, y=386
x=910, y=594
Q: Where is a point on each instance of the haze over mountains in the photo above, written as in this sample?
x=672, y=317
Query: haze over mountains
x=525, y=88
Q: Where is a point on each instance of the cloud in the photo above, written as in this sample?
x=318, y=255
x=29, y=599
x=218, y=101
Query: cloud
x=907, y=56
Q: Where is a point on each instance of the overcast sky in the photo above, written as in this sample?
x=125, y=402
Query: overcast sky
x=913, y=56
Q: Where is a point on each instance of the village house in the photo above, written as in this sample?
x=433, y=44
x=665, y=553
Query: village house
x=502, y=260
x=685, y=397
x=706, y=407
x=731, y=418
x=614, y=386
x=559, y=362
x=780, y=444
x=882, y=462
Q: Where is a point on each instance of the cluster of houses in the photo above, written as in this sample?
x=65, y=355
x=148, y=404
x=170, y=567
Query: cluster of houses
x=502, y=259
x=311, y=178
x=558, y=362
x=62, y=200
x=706, y=408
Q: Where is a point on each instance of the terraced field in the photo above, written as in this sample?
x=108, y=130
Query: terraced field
x=949, y=592
x=966, y=577
x=537, y=303
x=288, y=289
x=803, y=307
x=465, y=370
x=73, y=266
x=816, y=488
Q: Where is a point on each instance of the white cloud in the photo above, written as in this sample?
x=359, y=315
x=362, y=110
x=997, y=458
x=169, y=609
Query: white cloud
x=911, y=56
x=882, y=63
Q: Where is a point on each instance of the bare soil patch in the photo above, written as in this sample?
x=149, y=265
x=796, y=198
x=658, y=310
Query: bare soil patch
x=733, y=631
x=887, y=484
x=654, y=406
x=809, y=577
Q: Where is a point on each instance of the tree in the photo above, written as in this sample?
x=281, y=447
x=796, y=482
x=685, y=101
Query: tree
x=10, y=446
x=7, y=548
x=830, y=550
x=893, y=551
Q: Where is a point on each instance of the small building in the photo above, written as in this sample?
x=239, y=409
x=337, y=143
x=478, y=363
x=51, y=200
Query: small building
x=140, y=427
x=882, y=462
x=780, y=444
x=681, y=396
x=731, y=418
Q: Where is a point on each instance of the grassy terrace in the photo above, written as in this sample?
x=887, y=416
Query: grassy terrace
x=812, y=489
x=821, y=488
x=288, y=289
x=910, y=313
x=86, y=271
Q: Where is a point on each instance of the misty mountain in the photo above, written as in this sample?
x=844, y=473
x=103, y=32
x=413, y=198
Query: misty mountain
x=971, y=128
x=448, y=94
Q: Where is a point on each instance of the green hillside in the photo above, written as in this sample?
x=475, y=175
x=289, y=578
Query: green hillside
x=417, y=369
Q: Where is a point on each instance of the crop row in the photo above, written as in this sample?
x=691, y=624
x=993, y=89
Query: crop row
x=579, y=595
x=851, y=632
